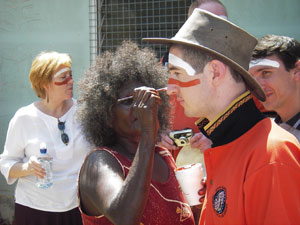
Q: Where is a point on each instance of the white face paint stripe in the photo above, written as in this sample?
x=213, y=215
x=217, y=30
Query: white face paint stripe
x=61, y=71
x=264, y=62
x=176, y=61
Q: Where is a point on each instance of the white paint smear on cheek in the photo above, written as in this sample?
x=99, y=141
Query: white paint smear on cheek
x=176, y=61
x=264, y=62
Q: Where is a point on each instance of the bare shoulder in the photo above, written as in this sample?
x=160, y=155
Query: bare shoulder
x=99, y=162
x=101, y=176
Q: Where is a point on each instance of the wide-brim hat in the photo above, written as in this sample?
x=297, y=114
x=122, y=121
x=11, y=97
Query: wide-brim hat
x=220, y=38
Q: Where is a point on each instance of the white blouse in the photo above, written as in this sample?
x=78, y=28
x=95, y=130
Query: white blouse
x=27, y=129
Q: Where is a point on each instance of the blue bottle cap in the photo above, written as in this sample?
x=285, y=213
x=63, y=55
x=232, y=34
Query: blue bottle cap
x=43, y=148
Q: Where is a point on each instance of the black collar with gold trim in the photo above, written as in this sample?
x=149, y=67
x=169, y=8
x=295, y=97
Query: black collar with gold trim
x=240, y=116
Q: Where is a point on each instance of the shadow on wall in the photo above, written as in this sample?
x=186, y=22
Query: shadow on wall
x=6, y=210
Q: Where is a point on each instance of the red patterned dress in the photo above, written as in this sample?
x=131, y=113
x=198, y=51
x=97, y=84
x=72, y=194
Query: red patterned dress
x=166, y=204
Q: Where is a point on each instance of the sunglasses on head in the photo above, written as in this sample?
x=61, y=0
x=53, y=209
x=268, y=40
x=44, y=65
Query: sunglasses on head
x=64, y=136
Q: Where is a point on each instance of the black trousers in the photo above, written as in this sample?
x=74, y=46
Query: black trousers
x=28, y=216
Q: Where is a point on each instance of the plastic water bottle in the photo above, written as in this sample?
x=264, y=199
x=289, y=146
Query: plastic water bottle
x=46, y=162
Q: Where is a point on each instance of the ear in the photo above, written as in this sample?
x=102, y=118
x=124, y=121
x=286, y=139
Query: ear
x=297, y=71
x=218, y=69
x=46, y=87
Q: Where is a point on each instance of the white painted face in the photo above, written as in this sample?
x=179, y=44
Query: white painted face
x=191, y=88
x=61, y=71
x=61, y=86
x=176, y=61
x=277, y=83
x=264, y=62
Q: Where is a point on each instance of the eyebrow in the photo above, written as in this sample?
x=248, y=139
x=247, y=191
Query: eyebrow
x=173, y=68
x=265, y=68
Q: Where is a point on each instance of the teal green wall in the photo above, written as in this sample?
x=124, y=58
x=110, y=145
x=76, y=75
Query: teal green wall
x=261, y=17
x=28, y=27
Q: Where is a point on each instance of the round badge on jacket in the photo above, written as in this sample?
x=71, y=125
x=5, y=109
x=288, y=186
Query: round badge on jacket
x=219, y=201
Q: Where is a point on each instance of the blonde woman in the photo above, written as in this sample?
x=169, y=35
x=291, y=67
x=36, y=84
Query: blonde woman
x=51, y=120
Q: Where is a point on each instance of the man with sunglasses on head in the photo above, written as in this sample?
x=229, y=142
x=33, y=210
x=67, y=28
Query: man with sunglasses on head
x=276, y=66
x=253, y=167
x=50, y=120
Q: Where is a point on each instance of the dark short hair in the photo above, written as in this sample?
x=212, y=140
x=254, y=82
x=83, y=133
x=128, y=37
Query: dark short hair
x=100, y=85
x=287, y=49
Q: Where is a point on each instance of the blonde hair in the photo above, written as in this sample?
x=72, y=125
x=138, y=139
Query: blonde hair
x=42, y=68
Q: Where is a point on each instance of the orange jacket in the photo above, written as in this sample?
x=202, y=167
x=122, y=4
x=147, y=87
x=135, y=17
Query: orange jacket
x=254, y=179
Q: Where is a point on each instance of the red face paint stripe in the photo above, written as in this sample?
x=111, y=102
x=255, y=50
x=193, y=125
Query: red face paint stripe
x=184, y=84
x=64, y=82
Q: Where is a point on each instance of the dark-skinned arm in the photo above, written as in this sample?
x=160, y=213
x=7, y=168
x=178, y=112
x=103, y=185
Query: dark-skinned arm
x=103, y=188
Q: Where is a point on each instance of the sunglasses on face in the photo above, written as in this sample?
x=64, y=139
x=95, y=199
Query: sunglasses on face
x=64, y=136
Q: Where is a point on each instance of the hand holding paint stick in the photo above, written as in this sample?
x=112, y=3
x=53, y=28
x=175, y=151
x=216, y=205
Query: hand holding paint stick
x=130, y=97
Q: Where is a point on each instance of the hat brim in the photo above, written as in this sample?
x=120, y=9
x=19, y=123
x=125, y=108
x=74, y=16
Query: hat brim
x=251, y=83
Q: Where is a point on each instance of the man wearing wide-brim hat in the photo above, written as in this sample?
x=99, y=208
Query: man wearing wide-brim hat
x=253, y=165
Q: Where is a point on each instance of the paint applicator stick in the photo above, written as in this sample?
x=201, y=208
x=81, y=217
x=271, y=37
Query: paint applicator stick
x=130, y=97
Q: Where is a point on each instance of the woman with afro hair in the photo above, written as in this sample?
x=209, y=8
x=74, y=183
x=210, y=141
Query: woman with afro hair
x=127, y=179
